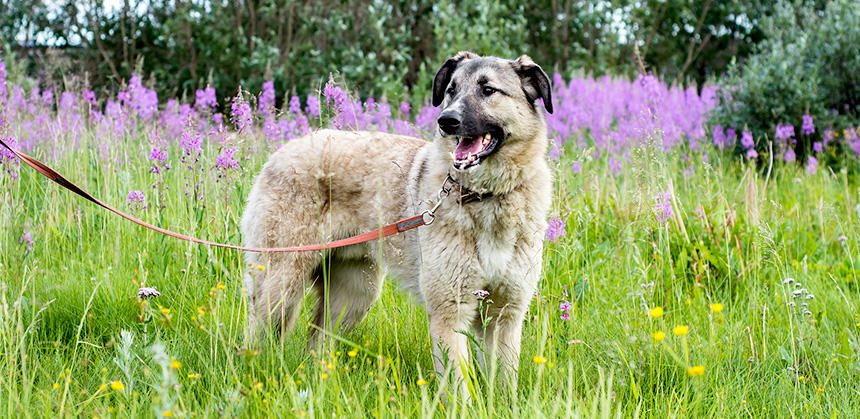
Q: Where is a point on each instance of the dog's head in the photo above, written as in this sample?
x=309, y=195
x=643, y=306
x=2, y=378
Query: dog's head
x=490, y=112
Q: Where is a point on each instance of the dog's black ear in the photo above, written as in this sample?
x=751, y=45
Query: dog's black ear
x=443, y=76
x=535, y=82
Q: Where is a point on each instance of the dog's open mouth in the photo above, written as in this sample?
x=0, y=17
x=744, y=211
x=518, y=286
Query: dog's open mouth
x=472, y=150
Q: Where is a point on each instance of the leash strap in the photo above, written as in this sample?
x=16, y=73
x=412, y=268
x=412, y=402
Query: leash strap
x=391, y=229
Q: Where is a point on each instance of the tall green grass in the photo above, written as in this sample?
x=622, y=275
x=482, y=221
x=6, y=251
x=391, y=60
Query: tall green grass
x=73, y=332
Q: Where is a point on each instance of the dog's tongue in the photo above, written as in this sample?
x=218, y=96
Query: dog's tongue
x=467, y=146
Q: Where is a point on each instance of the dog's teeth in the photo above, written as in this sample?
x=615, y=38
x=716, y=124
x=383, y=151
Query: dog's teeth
x=487, y=136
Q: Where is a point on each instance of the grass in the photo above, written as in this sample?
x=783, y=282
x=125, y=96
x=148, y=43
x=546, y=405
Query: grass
x=76, y=341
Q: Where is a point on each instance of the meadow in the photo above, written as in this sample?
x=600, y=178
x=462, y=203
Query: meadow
x=679, y=279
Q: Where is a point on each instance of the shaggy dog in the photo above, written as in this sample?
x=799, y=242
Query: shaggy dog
x=486, y=232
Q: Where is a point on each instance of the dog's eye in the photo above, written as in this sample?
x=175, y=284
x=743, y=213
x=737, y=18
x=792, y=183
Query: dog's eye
x=487, y=90
x=451, y=90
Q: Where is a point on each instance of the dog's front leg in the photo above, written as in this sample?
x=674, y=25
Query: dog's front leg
x=502, y=342
x=450, y=345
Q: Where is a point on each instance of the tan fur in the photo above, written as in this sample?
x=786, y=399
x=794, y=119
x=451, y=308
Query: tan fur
x=333, y=184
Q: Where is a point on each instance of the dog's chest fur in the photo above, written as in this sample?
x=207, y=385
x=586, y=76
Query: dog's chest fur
x=493, y=234
x=492, y=244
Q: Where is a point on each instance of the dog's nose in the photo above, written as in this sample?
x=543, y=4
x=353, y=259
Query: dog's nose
x=449, y=122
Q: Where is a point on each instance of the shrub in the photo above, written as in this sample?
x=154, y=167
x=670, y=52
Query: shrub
x=808, y=64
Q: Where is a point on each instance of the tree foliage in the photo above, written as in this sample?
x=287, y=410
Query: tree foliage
x=808, y=64
x=385, y=48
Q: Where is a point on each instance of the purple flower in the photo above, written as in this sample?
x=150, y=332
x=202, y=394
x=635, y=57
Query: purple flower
x=576, y=167
x=816, y=147
x=555, y=151
x=295, y=105
x=147, y=292
x=731, y=136
x=3, y=91
x=663, y=207
x=719, y=136
x=158, y=156
x=555, y=230
x=136, y=201
x=747, y=140
x=828, y=136
x=789, y=155
x=811, y=165
x=565, y=306
x=807, y=128
x=784, y=132
x=267, y=98
x=48, y=97
x=241, y=113
x=565, y=316
x=404, y=109
x=27, y=240
x=334, y=94
x=89, y=96
x=190, y=144
x=313, y=108
x=9, y=160
x=205, y=98
x=752, y=154
x=481, y=294
x=225, y=160
x=340, y=104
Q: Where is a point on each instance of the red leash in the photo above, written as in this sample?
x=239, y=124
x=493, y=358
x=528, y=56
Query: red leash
x=391, y=229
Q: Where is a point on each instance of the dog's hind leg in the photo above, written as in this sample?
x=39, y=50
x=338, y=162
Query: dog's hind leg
x=279, y=285
x=346, y=294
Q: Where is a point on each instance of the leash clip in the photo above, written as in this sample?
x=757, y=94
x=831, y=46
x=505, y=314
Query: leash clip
x=430, y=215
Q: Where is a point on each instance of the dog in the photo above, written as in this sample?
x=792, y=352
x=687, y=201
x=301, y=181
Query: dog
x=486, y=234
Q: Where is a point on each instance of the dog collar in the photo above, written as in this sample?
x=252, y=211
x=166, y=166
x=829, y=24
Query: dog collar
x=466, y=195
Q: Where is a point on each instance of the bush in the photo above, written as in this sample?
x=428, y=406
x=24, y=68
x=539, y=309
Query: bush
x=808, y=64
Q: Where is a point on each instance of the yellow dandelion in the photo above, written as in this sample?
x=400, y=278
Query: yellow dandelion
x=716, y=307
x=259, y=386
x=174, y=364
x=696, y=371
x=221, y=286
x=681, y=330
x=539, y=359
x=194, y=376
x=658, y=336
x=656, y=312
x=167, y=413
x=801, y=378
x=116, y=386
x=55, y=386
x=352, y=353
x=164, y=310
x=261, y=267
x=324, y=376
x=103, y=387
x=421, y=382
